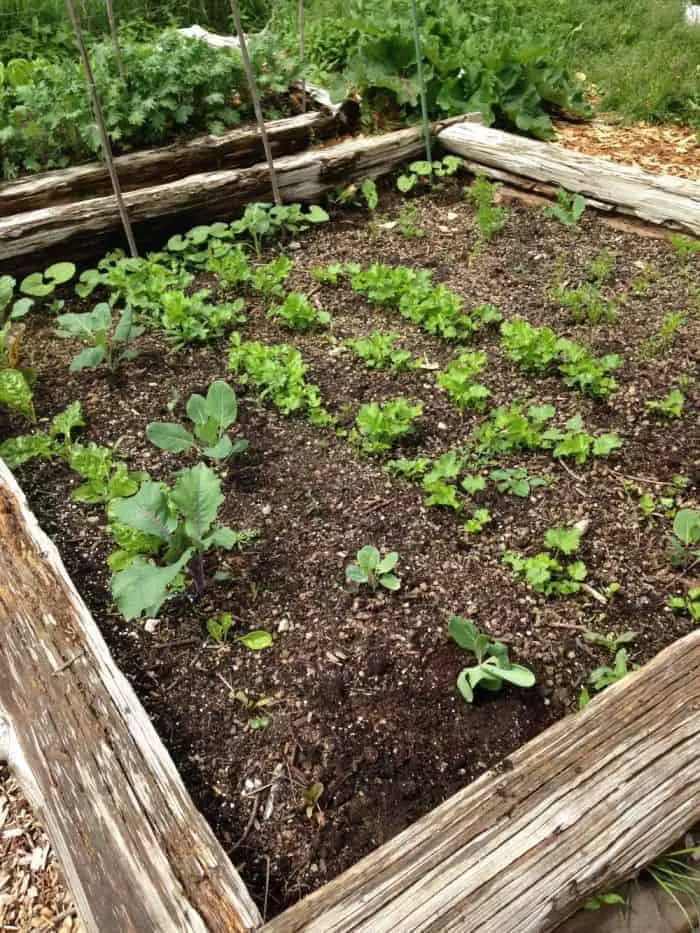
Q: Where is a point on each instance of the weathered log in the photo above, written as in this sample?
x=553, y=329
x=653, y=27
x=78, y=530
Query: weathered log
x=660, y=199
x=136, y=853
x=234, y=149
x=212, y=195
x=575, y=811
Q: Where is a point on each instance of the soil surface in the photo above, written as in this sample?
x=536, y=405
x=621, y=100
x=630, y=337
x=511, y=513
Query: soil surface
x=367, y=731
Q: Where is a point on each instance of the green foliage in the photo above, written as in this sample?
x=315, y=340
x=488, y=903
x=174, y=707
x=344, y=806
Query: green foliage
x=201, y=243
x=424, y=172
x=278, y=372
x=539, y=349
x=183, y=519
x=407, y=220
x=269, y=278
x=493, y=667
x=434, y=308
x=687, y=605
x=549, y=571
x=108, y=340
x=410, y=469
x=330, y=274
x=262, y=221
x=517, y=481
x=601, y=269
x=684, y=247
x=685, y=540
x=186, y=319
x=569, y=208
x=611, y=641
x=604, y=900
x=211, y=416
x=12, y=308
x=136, y=282
x=378, y=351
x=660, y=341
x=218, y=628
x=480, y=518
x=669, y=407
x=490, y=218
x=373, y=570
x=458, y=380
x=438, y=482
x=353, y=194
x=586, y=303
x=604, y=676
x=380, y=427
x=229, y=263
x=174, y=85
x=39, y=285
x=297, y=313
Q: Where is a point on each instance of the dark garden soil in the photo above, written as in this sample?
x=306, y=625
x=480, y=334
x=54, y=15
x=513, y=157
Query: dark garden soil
x=363, y=687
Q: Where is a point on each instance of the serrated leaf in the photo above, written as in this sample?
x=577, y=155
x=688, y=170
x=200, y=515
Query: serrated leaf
x=170, y=436
x=67, y=421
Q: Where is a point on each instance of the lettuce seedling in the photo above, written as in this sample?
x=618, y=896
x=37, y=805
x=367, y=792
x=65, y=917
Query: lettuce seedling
x=297, y=313
x=379, y=427
x=210, y=417
x=492, y=667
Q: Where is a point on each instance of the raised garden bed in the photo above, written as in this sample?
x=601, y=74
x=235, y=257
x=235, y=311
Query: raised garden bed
x=362, y=730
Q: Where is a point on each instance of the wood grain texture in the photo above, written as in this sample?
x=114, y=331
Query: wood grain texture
x=660, y=199
x=137, y=855
x=234, y=149
x=583, y=806
x=214, y=195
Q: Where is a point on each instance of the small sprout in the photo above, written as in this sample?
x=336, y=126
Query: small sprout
x=297, y=313
x=687, y=605
x=603, y=677
x=610, y=641
x=218, y=627
x=40, y=285
x=373, y=570
x=604, y=900
x=312, y=795
x=569, y=208
x=669, y=407
x=492, y=668
x=479, y=520
x=685, y=540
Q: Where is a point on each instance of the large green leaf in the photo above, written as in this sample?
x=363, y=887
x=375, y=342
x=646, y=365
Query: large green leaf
x=197, y=495
x=222, y=404
x=686, y=526
x=89, y=358
x=60, y=272
x=143, y=587
x=15, y=392
x=147, y=511
x=168, y=435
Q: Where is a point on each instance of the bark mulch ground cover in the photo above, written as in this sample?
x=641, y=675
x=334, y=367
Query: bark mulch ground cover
x=364, y=728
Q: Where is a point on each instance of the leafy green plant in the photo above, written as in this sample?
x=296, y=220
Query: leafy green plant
x=269, y=278
x=491, y=218
x=669, y=407
x=604, y=676
x=643, y=281
x=353, y=194
x=297, y=313
x=230, y=265
x=407, y=221
x=278, y=372
x=550, y=572
x=108, y=339
x=687, y=605
x=211, y=416
x=12, y=308
x=601, y=269
x=262, y=221
x=660, y=341
x=608, y=899
x=459, y=383
x=378, y=351
x=39, y=284
x=189, y=319
x=611, y=641
x=684, y=247
x=439, y=481
x=380, y=427
x=589, y=374
x=676, y=875
x=586, y=303
x=424, y=172
x=517, y=481
x=568, y=209
x=410, y=469
x=493, y=667
x=480, y=518
x=183, y=520
x=218, y=628
x=685, y=540
x=204, y=243
x=15, y=380
x=135, y=282
x=330, y=274
x=373, y=570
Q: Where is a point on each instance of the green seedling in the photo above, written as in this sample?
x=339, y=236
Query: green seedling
x=229, y=263
x=297, y=313
x=669, y=407
x=604, y=900
x=684, y=247
x=424, y=172
x=378, y=351
x=517, y=482
x=659, y=342
x=490, y=217
x=601, y=269
x=191, y=318
x=11, y=308
x=603, y=677
x=687, y=605
x=459, y=383
x=373, y=570
x=492, y=668
x=39, y=284
x=262, y=221
x=550, y=572
x=611, y=641
x=269, y=278
x=479, y=520
x=211, y=416
x=108, y=340
x=380, y=427
x=569, y=208
x=685, y=540
x=219, y=627
x=586, y=304
x=408, y=222
x=410, y=469
x=332, y=274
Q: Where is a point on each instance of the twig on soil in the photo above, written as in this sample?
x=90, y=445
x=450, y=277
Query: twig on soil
x=67, y=664
x=248, y=826
x=267, y=887
x=594, y=593
x=178, y=643
x=574, y=476
x=568, y=625
x=640, y=479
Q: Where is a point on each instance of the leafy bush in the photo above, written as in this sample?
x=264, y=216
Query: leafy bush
x=297, y=313
x=458, y=380
x=380, y=427
x=378, y=351
x=493, y=667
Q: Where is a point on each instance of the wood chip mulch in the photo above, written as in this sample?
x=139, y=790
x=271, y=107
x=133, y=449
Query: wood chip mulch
x=33, y=895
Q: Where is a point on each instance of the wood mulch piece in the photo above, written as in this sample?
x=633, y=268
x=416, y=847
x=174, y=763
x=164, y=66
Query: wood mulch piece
x=657, y=148
x=33, y=894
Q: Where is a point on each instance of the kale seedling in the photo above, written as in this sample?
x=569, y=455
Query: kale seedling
x=380, y=427
x=492, y=667
x=373, y=570
x=211, y=417
x=108, y=341
x=297, y=313
x=569, y=208
x=685, y=540
x=183, y=521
